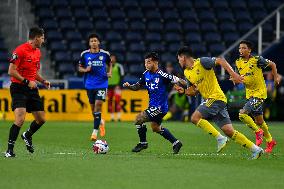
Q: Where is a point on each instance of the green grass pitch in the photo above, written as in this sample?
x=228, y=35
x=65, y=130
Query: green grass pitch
x=64, y=158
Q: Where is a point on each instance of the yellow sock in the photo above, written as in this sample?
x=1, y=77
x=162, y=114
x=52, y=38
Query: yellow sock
x=207, y=127
x=242, y=140
x=266, y=133
x=169, y=115
x=248, y=121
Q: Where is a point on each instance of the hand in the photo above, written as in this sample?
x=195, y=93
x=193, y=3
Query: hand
x=236, y=78
x=88, y=69
x=191, y=91
x=46, y=84
x=277, y=79
x=109, y=75
x=179, y=89
x=32, y=85
x=126, y=84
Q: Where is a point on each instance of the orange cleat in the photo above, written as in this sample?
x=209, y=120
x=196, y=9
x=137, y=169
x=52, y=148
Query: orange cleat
x=102, y=128
x=270, y=146
x=259, y=137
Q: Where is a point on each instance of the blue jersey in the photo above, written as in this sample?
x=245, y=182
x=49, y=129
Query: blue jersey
x=97, y=77
x=156, y=84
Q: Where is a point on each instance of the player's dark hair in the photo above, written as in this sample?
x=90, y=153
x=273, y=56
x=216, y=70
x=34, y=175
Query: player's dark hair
x=94, y=35
x=153, y=55
x=185, y=50
x=35, y=32
x=248, y=43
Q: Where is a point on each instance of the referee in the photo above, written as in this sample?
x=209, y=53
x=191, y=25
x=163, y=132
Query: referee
x=24, y=71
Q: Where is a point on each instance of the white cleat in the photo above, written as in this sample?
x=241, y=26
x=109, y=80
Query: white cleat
x=256, y=154
x=221, y=143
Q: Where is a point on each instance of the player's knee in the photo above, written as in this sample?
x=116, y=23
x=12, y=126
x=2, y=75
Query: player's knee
x=156, y=128
x=194, y=119
x=138, y=120
x=41, y=121
x=259, y=121
x=19, y=121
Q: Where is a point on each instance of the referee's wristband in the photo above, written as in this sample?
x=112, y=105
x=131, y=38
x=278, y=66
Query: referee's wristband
x=26, y=82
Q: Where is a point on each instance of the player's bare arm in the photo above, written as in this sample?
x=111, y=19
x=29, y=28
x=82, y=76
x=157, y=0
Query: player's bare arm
x=84, y=70
x=14, y=73
x=134, y=87
x=190, y=91
x=40, y=79
x=277, y=77
x=236, y=78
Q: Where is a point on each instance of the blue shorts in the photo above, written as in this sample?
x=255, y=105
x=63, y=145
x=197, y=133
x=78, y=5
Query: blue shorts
x=254, y=106
x=155, y=115
x=96, y=94
x=215, y=110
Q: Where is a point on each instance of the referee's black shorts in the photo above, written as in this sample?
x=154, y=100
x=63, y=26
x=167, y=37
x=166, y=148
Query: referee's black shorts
x=24, y=97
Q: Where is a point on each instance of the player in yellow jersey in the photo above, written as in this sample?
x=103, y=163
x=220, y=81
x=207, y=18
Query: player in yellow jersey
x=202, y=78
x=250, y=67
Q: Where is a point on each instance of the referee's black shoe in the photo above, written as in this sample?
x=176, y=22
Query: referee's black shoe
x=176, y=147
x=29, y=142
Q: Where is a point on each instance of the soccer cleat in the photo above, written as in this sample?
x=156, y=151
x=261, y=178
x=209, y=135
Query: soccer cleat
x=257, y=153
x=221, y=143
x=176, y=147
x=93, y=137
x=259, y=137
x=29, y=142
x=10, y=154
x=102, y=128
x=270, y=146
x=139, y=147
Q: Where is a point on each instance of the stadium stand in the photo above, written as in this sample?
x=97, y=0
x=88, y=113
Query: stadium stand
x=128, y=28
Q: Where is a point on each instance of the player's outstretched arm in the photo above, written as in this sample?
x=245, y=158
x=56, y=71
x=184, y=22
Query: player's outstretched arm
x=277, y=77
x=190, y=91
x=134, y=87
x=236, y=78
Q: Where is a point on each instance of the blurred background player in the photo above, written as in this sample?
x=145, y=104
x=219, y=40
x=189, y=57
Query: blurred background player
x=156, y=82
x=96, y=66
x=250, y=67
x=114, y=89
x=201, y=75
x=24, y=71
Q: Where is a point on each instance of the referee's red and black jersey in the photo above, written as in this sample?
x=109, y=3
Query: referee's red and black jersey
x=27, y=60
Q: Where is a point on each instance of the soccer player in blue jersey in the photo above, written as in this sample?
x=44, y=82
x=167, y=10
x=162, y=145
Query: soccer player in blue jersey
x=96, y=66
x=156, y=82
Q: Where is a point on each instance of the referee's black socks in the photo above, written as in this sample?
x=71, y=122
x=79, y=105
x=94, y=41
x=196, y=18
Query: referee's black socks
x=33, y=128
x=13, y=135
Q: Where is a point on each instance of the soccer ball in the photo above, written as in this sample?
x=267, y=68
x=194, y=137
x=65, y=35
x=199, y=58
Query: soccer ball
x=100, y=147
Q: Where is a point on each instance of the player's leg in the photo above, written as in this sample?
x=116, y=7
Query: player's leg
x=199, y=117
x=100, y=99
x=141, y=118
x=270, y=143
x=19, y=101
x=110, y=95
x=20, y=114
x=92, y=98
x=248, y=108
x=35, y=106
x=117, y=96
x=164, y=132
x=222, y=119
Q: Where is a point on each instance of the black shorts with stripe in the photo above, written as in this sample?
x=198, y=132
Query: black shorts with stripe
x=24, y=97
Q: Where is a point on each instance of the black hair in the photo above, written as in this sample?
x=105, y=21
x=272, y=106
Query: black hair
x=153, y=55
x=248, y=43
x=93, y=35
x=35, y=32
x=185, y=50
